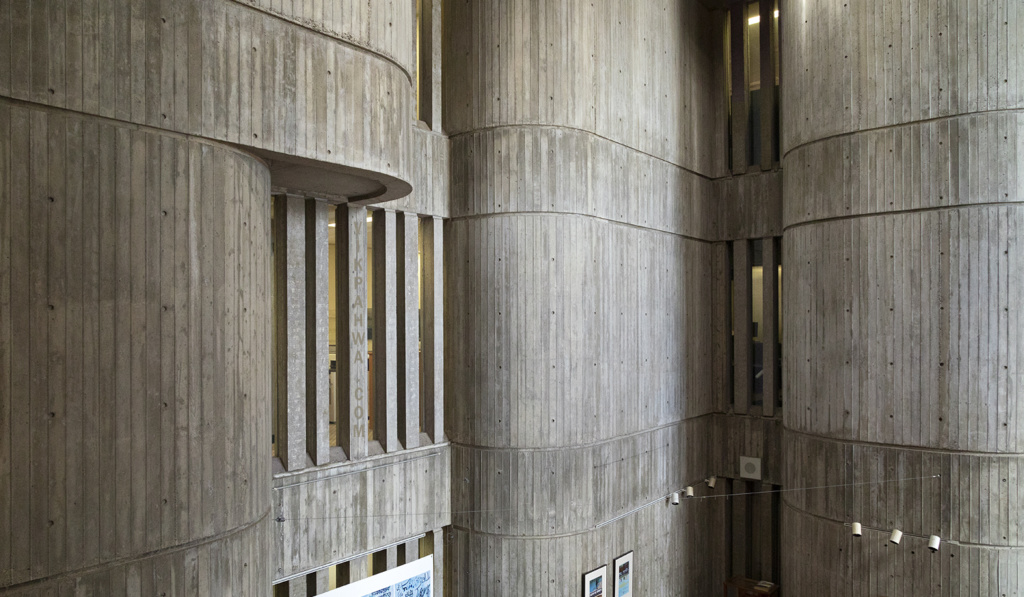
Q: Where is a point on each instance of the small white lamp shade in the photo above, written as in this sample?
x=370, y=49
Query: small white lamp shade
x=933, y=543
x=857, y=530
x=895, y=537
x=675, y=498
x=689, y=491
x=712, y=481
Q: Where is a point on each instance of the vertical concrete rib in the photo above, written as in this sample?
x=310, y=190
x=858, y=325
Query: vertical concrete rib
x=290, y=320
x=432, y=390
x=408, y=311
x=570, y=363
x=351, y=321
x=385, y=330
x=317, y=333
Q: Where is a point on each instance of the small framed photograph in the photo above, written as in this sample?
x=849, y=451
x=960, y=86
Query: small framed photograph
x=622, y=576
x=595, y=583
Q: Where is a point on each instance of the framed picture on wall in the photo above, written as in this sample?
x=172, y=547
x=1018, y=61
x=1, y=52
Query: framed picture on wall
x=622, y=576
x=595, y=583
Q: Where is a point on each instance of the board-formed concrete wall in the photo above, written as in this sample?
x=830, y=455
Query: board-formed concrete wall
x=578, y=295
x=135, y=281
x=903, y=138
x=134, y=339
x=223, y=70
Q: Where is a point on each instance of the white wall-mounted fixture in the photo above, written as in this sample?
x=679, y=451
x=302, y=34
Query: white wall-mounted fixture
x=895, y=537
x=933, y=543
x=689, y=491
x=675, y=498
x=711, y=481
x=750, y=468
x=857, y=530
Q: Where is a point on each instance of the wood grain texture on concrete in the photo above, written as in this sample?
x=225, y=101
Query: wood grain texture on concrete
x=225, y=71
x=317, y=333
x=352, y=347
x=407, y=291
x=327, y=514
x=868, y=66
x=290, y=330
x=578, y=323
x=139, y=299
x=383, y=27
x=902, y=295
x=635, y=73
x=385, y=328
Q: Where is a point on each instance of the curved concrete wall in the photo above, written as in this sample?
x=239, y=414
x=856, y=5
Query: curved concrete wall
x=135, y=304
x=577, y=305
x=384, y=27
x=903, y=197
x=134, y=285
x=221, y=70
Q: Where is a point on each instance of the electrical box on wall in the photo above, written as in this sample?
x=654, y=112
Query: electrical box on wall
x=750, y=468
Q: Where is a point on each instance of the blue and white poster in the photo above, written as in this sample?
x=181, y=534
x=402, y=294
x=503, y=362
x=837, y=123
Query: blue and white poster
x=415, y=579
x=623, y=576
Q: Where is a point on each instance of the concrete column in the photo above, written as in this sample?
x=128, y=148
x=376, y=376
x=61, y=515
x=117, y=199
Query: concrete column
x=290, y=320
x=432, y=340
x=350, y=313
x=343, y=574
x=317, y=582
x=766, y=8
x=572, y=289
x=381, y=561
x=358, y=568
x=408, y=294
x=136, y=342
x=296, y=587
x=903, y=203
x=317, y=333
x=408, y=552
x=439, y=557
x=743, y=330
x=740, y=93
x=721, y=296
x=385, y=330
x=770, y=317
